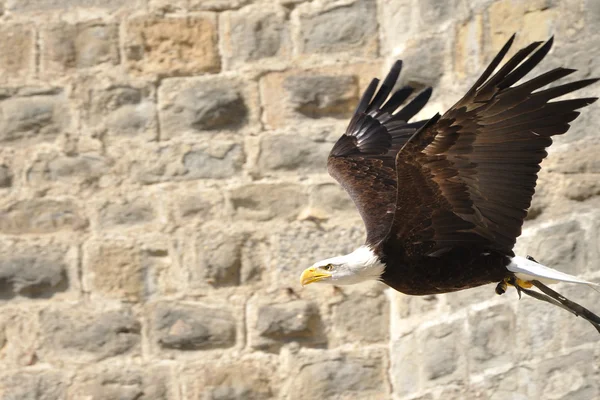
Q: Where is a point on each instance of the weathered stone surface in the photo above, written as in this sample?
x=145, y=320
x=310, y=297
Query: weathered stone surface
x=518, y=383
x=443, y=357
x=33, y=385
x=80, y=168
x=103, y=258
x=578, y=381
x=219, y=258
x=406, y=364
x=281, y=152
x=436, y=13
x=582, y=187
x=200, y=203
x=579, y=158
x=193, y=327
x=219, y=161
x=17, y=56
x=423, y=61
x=262, y=202
x=331, y=198
x=121, y=382
x=349, y=27
x=81, y=334
x=468, y=49
x=201, y=105
x=126, y=213
x=492, y=337
x=337, y=375
x=41, y=216
x=242, y=378
x=18, y=337
x=32, y=275
x=578, y=331
x=37, y=117
x=322, y=96
x=363, y=318
x=122, y=109
x=254, y=33
x=408, y=306
x=275, y=324
x=50, y=5
x=561, y=246
x=533, y=18
x=172, y=46
x=214, y=160
x=6, y=176
x=68, y=46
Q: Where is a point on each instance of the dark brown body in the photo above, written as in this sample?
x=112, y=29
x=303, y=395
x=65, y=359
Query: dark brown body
x=458, y=269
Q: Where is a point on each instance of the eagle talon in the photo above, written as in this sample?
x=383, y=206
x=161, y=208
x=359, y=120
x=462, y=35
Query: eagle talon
x=501, y=287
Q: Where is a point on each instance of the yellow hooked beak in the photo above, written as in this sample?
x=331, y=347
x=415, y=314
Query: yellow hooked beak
x=312, y=274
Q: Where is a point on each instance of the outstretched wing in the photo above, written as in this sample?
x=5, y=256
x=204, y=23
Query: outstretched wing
x=363, y=159
x=469, y=176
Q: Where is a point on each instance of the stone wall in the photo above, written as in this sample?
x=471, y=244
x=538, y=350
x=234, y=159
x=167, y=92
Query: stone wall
x=163, y=184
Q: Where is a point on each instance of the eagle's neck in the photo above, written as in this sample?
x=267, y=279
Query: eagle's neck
x=365, y=264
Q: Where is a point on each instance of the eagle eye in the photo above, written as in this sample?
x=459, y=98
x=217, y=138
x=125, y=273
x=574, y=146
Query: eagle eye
x=327, y=267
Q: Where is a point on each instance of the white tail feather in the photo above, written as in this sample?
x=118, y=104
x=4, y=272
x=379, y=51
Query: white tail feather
x=528, y=270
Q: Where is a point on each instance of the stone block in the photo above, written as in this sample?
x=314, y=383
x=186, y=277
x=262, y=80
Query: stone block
x=43, y=384
x=43, y=6
x=518, y=383
x=337, y=375
x=73, y=46
x=468, y=48
x=6, y=176
x=171, y=46
x=276, y=324
x=254, y=33
x=347, y=27
x=540, y=327
x=193, y=327
x=221, y=160
x=310, y=94
x=410, y=306
x=80, y=334
x=41, y=216
x=245, y=378
x=492, y=332
x=394, y=26
x=582, y=187
x=197, y=105
x=121, y=109
x=406, y=365
x=424, y=61
x=49, y=168
x=533, y=18
x=33, y=117
x=561, y=246
x=569, y=377
x=436, y=13
x=331, y=198
x=199, y=202
x=322, y=96
x=19, y=332
x=262, y=202
x=126, y=213
x=577, y=331
x=126, y=382
x=362, y=318
x=443, y=356
x=114, y=269
x=17, y=52
x=39, y=270
x=219, y=258
x=295, y=152
x=577, y=158
x=215, y=159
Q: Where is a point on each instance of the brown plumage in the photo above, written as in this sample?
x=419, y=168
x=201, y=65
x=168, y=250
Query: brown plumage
x=443, y=200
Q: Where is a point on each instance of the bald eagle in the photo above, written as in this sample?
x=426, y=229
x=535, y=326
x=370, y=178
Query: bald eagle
x=443, y=200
